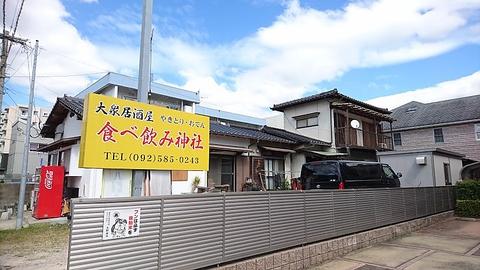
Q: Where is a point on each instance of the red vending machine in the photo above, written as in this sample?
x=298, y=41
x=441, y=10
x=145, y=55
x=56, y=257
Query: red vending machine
x=48, y=203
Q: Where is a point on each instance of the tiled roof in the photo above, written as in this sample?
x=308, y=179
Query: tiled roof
x=332, y=94
x=415, y=114
x=293, y=136
x=248, y=133
x=74, y=104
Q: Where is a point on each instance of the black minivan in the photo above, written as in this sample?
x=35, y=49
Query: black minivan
x=341, y=174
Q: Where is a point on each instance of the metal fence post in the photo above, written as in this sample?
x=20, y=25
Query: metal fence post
x=269, y=221
x=160, y=235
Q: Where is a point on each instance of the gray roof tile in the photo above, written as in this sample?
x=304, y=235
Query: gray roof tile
x=415, y=114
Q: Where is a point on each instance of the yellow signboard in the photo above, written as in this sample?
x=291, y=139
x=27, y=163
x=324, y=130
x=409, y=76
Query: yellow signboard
x=123, y=134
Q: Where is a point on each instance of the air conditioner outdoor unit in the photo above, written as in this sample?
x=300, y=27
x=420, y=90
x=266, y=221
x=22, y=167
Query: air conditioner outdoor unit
x=421, y=160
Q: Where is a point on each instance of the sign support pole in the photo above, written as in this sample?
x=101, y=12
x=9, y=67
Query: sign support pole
x=144, y=79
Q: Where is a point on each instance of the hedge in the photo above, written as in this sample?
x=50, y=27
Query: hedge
x=468, y=190
x=468, y=208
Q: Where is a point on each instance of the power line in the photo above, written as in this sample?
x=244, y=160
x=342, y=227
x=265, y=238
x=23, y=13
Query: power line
x=61, y=76
x=73, y=59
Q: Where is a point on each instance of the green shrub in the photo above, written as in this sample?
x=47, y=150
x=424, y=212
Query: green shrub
x=468, y=208
x=468, y=190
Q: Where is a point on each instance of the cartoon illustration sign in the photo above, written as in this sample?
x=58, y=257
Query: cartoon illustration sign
x=124, y=134
x=121, y=223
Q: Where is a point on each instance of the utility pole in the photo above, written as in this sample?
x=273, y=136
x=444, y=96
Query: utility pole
x=26, y=149
x=144, y=79
x=6, y=38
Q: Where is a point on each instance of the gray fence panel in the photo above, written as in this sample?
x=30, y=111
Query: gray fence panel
x=344, y=208
x=319, y=215
x=192, y=231
x=430, y=200
x=88, y=250
x=201, y=230
x=398, y=205
x=365, y=209
x=287, y=218
x=383, y=207
x=421, y=202
x=410, y=198
x=247, y=229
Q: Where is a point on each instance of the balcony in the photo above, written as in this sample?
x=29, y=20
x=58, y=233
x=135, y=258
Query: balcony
x=355, y=137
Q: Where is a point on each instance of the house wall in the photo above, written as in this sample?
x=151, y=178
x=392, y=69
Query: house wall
x=457, y=138
x=322, y=131
x=297, y=161
x=276, y=121
x=455, y=168
x=72, y=127
x=413, y=175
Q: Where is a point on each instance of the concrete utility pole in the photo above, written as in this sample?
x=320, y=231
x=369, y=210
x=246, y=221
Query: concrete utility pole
x=144, y=78
x=6, y=38
x=26, y=149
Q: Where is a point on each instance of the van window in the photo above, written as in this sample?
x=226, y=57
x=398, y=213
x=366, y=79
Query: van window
x=388, y=171
x=323, y=169
x=359, y=171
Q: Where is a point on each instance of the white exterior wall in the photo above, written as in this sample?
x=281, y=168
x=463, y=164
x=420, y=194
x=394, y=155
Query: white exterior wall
x=320, y=132
x=182, y=187
x=276, y=121
x=413, y=175
x=455, y=168
x=297, y=162
x=72, y=127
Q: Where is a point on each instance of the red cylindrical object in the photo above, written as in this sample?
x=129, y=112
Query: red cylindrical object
x=50, y=193
x=341, y=185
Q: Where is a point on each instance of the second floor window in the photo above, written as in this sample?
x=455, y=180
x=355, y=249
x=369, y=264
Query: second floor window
x=477, y=132
x=397, y=138
x=307, y=121
x=438, y=135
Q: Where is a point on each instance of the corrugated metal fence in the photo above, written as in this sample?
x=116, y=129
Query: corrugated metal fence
x=199, y=230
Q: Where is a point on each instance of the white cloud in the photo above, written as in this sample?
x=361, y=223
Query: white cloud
x=89, y=1
x=462, y=87
x=300, y=49
x=63, y=50
x=305, y=46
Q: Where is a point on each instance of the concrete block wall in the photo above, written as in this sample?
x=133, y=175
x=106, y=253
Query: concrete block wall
x=320, y=252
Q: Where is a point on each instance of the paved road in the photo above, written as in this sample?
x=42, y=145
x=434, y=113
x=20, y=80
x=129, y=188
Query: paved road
x=450, y=245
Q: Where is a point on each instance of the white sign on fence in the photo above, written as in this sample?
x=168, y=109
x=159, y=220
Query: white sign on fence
x=121, y=223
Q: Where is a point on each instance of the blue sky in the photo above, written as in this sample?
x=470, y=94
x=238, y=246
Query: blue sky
x=245, y=55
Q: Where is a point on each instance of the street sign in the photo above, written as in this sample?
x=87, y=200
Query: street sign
x=124, y=134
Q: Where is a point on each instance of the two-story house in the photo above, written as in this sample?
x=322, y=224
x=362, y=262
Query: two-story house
x=452, y=124
x=352, y=127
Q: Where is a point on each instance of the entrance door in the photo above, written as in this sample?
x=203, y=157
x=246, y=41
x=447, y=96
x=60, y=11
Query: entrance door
x=222, y=171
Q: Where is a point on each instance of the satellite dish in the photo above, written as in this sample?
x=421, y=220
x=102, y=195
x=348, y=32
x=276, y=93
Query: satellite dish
x=355, y=124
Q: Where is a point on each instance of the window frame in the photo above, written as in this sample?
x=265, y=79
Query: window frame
x=399, y=139
x=435, y=136
x=306, y=119
x=476, y=131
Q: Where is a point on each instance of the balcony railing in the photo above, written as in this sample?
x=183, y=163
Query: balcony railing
x=346, y=137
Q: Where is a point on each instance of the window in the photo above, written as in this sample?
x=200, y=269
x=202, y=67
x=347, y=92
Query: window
x=35, y=113
x=45, y=114
x=438, y=135
x=307, y=121
x=446, y=172
x=397, y=138
x=221, y=171
x=388, y=171
x=274, y=173
x=477, y=132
